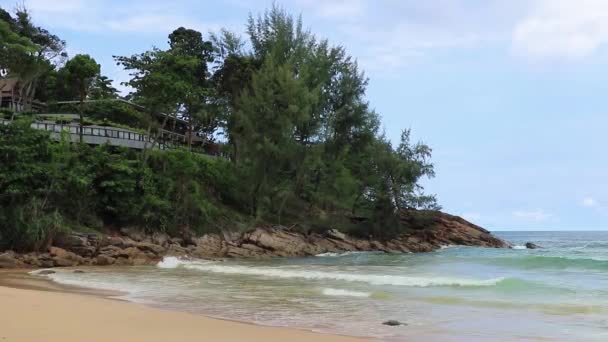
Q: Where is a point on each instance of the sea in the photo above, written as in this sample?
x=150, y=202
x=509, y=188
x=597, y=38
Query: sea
x=555, y=293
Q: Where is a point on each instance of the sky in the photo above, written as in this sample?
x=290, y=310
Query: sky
x=511, y=95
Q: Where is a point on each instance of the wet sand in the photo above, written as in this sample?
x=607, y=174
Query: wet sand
x=35, y=309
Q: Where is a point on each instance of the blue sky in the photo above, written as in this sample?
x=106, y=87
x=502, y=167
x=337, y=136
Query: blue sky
x=511, y=95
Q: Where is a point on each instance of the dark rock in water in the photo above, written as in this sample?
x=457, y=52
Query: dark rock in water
x=530, y=245
x=393, y=323
x=79, y=271
x=45, y=272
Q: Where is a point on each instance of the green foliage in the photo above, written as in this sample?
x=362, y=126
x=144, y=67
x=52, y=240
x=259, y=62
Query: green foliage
x=305, y=147
x=110, y=110
x=82, y=71
x=26, y=219
x=27, y=52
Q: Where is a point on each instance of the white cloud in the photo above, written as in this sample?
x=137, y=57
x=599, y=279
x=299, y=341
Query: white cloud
x=589, y=202
x=562, y=29
x=537, y=215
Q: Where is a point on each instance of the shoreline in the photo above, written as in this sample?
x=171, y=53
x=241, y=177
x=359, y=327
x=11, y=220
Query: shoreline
x=73, y=314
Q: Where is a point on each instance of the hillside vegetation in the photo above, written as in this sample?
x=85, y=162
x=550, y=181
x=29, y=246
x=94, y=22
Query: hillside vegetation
x=303, y=145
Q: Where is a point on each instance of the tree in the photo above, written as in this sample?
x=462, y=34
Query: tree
x=161, y=79
x=266, y=119
x=103, y=89
x=30, y=63
x=82, y=71
x=13, y=47
x=197, y=107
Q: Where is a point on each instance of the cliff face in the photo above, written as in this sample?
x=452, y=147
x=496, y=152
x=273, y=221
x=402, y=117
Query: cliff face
x=134, y=248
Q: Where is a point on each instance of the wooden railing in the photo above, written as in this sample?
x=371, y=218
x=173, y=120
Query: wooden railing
x=117, y=137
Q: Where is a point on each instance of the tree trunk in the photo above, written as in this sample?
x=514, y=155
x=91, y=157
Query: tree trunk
x=156, y=137
x=190, y=135
x=81, y=117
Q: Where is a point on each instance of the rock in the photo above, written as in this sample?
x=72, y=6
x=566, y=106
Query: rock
x=67, y=241
x=177, y=241
x=134, y=234
x=530, y=245
x=336, y=234
x=393, y=323
x=80, y=244
x=160, y=239
x=79, y=271
x=63, y=258
x=112, y=241
x=176, y=250
x=31, y=259
x=9, y=260
x=104, y=260
x=47, y=263
x=63, y=262
x=150, y=247
x=86, y=252
x=424, y=231
x=58, y=252
x=45, y=272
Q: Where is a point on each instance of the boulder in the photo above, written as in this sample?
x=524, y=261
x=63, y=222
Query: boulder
x=68, y=241
x=63, y=258
x=176, y=250
x=133, y=233
x=115, y=241
x=150, y=247
x=160, y=239
x=104, y=260
x=336, y=234
x=9, y=260
x=177, y=241
x=31, y=259
x=63, y=262
x=530, y=245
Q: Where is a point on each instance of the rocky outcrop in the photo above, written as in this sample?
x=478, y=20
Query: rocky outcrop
x=132, y=247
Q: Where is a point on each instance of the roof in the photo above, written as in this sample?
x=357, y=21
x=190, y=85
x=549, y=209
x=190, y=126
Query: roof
x=135, y=105
x=7, y=84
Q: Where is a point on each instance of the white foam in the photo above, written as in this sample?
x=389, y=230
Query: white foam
x=170, y=262
x=284, y=273
x=332, y=254
x=520, y=247
x=344, y=293
x=328, y=254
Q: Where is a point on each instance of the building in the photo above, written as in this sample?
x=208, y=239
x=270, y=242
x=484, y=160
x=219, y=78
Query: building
x=10, y=98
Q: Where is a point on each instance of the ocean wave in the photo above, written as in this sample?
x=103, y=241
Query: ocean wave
x=373, y=279
x=170, y=262
x=333, y=254
x=520, y=247
x=551, y=262
x=344, y=293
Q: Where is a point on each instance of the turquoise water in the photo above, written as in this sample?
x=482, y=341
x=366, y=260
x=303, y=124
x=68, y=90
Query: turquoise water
x=557, y=293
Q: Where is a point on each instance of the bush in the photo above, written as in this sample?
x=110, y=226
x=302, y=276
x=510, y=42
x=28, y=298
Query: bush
x=110, y=110
x=29, y=226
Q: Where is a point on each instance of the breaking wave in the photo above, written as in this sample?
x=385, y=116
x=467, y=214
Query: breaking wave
x=344, y=293
x=373, y=279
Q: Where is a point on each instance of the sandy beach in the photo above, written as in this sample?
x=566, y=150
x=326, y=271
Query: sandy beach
x=36, y=310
